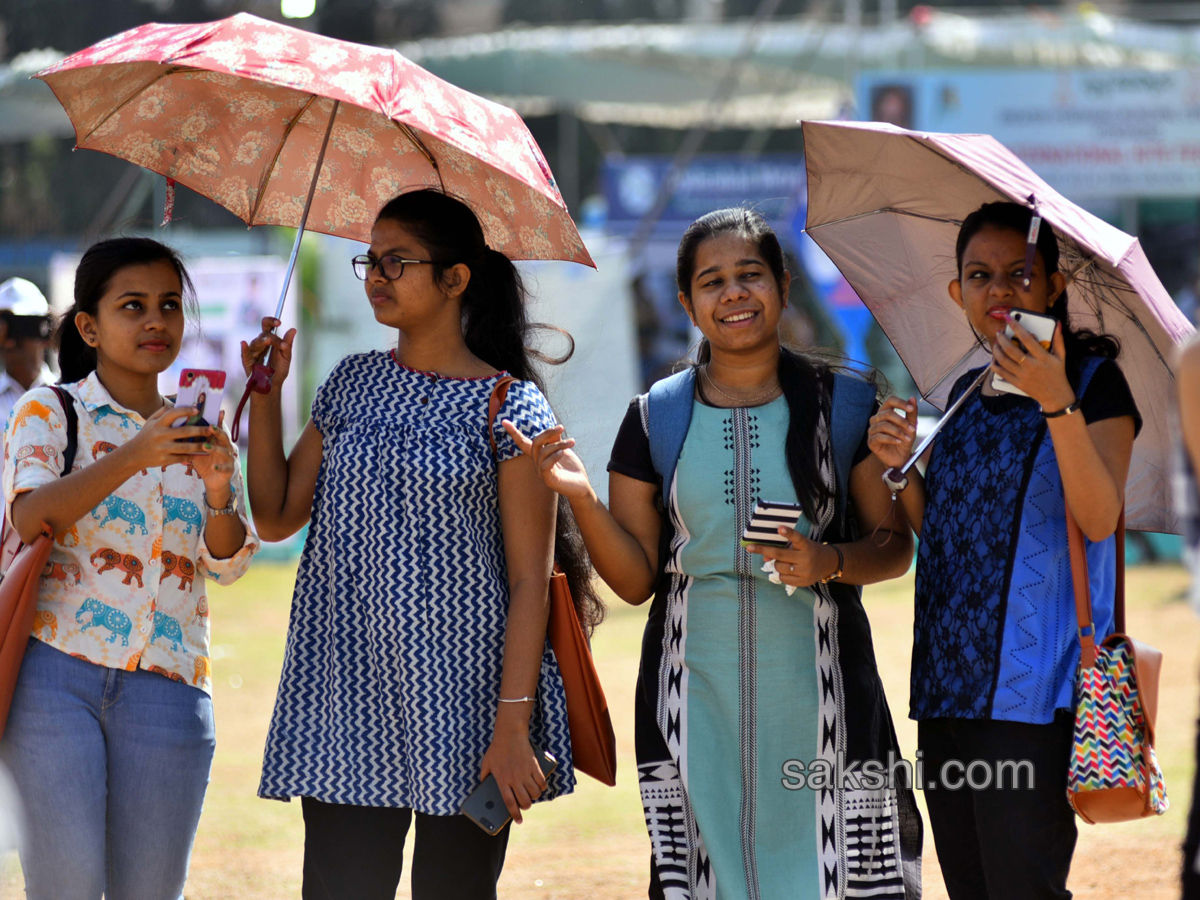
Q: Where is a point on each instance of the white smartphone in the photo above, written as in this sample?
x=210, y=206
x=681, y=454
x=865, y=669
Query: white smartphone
x=1042, y=327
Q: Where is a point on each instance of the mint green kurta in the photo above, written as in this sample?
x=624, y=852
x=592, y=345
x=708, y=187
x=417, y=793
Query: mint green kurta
x=749, y=662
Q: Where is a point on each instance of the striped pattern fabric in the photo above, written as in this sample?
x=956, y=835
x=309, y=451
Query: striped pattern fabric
x=391, y=673
x=1111, y=748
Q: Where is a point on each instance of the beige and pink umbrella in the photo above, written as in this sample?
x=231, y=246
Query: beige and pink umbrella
x=886, y=204
x=284, y=127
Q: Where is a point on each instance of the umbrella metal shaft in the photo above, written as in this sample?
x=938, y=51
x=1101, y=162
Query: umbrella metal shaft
x=924, y=445
x=312, y=189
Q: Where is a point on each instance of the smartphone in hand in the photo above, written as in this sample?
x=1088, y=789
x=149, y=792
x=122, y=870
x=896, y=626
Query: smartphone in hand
x=1041, y=327
x=203, y=389
x=485, y=806
x=766, y=520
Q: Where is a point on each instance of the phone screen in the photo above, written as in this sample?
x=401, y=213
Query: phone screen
x=204, y=389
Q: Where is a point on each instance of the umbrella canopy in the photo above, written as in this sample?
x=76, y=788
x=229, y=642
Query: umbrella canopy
x=240, y=110
x=886, y=204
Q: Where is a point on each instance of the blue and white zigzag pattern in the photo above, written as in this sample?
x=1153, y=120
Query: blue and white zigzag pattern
x=394, y=650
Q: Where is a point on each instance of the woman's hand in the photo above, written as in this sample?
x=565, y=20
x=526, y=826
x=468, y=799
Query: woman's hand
x=891, y=435
x=215, y=465
x=511, y=759
x=1040, y=373
x=803, y=562
x=559, y=466
x=280, y=349
x=160, y=444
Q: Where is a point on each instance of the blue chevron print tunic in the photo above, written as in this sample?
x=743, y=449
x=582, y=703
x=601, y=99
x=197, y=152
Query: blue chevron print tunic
x=394, y=650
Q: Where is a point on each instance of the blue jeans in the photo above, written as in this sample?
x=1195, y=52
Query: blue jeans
x=112, y=767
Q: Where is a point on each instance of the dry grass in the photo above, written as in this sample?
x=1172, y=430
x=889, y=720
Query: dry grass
x=592, y=845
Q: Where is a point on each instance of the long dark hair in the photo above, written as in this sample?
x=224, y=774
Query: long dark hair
x=1079, y=343
x=76, y=359
x=497, y=329
x=806, y=382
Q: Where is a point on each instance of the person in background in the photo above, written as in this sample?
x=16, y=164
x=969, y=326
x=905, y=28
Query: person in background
x=1187, y=501
x=24, y=337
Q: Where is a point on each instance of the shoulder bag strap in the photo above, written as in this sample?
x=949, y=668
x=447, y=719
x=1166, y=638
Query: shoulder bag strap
x=1083, y=587
x=499, y=395
x=72, y=423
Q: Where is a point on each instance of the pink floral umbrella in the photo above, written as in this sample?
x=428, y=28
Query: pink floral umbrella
x=238, y=110
x=284, y=127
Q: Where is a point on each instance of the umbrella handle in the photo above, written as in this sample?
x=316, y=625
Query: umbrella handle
x=897, y=479
x=259, y=382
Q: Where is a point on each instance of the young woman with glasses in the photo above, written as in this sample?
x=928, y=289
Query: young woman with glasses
x=417, y=662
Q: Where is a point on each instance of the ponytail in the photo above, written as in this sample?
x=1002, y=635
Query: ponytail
x=76, y=359
x=496, y=328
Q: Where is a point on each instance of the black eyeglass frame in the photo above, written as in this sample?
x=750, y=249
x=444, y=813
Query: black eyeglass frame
x=369, y=262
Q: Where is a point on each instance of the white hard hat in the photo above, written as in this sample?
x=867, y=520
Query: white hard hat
x=22, y=298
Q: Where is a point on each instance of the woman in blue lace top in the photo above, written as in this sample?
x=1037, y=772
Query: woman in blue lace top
x=996, y=648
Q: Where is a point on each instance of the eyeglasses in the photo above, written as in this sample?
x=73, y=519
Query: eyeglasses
x=390, y=265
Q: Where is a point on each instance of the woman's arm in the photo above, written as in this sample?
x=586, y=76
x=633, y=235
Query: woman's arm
x=806, y=562
x=224, y=535
x=64, y=501
x=1093, y=460
x=527, y=517
x=622, y=542
x=891, y=437
x=281, y=488
x=1188, y=379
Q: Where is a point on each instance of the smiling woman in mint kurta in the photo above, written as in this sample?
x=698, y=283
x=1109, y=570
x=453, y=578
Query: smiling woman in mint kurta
x=753, y=683
x=417, y=661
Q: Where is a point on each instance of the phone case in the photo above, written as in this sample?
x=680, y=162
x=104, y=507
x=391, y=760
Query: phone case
x=203, y=389
x=485, y=807
x=766, y=519
x=1041, y=327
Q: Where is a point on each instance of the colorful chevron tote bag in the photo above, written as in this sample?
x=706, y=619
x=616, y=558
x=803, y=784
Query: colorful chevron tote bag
x=1114, y=775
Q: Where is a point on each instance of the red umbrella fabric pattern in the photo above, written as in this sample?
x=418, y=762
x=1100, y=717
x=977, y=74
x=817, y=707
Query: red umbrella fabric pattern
x=242, y=109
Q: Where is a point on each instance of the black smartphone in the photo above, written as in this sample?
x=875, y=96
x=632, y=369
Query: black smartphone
x=485, y=807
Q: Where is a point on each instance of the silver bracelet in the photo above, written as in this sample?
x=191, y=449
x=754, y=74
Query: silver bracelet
x=518, y=700
x=230, y=508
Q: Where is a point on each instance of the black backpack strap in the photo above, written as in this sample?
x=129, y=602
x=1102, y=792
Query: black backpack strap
x=72, y=417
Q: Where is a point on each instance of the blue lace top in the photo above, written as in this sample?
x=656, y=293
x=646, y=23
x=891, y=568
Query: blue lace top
x=995, y=629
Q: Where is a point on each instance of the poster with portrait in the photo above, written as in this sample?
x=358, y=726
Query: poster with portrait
x=233, y=294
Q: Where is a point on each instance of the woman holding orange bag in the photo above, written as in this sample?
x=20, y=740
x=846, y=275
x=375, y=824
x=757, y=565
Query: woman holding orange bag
x=417, y=662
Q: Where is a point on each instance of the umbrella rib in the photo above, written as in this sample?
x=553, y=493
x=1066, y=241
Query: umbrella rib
x=885, y=209
x=120, y=106
x=262, y=187
x=424, y=151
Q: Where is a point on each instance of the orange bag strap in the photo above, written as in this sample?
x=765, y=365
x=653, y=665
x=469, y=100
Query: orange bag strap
x=499, y=395
x=1083, y=587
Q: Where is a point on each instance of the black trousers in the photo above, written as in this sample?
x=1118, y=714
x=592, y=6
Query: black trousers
x=356, y=853
x=1000, y=843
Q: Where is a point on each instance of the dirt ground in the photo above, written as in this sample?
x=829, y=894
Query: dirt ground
x=592, y=845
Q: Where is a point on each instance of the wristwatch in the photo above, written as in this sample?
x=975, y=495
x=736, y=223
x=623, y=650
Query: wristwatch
x=230, y=508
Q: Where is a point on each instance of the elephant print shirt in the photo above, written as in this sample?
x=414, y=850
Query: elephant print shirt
x=125, y=585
